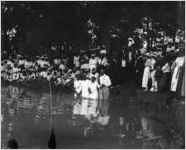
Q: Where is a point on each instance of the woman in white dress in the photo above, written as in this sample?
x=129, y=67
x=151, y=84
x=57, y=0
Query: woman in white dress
x=176, y=66
x=93, y=89
x=152, y=74
x=146, y=73
x=93, y=97
x=85, y=95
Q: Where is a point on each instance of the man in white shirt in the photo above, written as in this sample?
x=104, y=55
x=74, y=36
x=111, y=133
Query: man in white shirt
x=105, y=83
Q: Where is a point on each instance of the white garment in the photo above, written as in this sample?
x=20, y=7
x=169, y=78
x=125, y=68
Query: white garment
x=130, y=56
x=96, y=75
x=84, y=107
x=146, y=75
x=123, y=63
x=92, y=107
x=105, y=80
x=10, y=63
x=62, y=67
x=57, y=61
x=76, y=61
x=153, y=61
x=28, y=64
x=94, y=90
x=153, y=78
x=14, y=70
x=179, y=62
x=85, y=66
x=43, y=74
x=166, y=68
x=84, y=87
x=15, y=76
x=103, y=61
x=41, y=63
x=77, y=86
x=21, y=62
x=77, y=109
x=104, y=120
x=93, y=63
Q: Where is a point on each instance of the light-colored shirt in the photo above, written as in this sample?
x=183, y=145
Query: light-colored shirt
x=77, y=86
x=93, y=63
x=85, y=66
x=103, y=61
x=123, y=63
x=166, y=68
x=105, y=80
x=62, y=67
x=76, y=61
x=85, y=87
x=94, y=90
x=153, y=61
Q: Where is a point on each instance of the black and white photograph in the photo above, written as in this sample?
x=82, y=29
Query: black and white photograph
x=92, y=74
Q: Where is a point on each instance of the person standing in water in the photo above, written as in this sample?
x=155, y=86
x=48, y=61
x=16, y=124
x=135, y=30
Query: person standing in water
x=93, y=96
x=105, y=83
x=77, y=87
x=85, y=95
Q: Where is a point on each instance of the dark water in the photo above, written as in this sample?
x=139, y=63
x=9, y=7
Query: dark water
x=125, y=121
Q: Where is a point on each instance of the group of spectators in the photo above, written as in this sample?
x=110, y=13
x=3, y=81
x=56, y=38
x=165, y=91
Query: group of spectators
x=58, y=70
x=155, y=69
x=162, y=71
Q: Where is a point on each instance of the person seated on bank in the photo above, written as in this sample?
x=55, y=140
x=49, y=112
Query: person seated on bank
x=105, y=83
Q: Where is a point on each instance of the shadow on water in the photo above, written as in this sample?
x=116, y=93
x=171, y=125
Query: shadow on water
x=127, y=120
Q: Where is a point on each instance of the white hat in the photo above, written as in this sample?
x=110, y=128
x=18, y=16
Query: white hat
x=103, y=51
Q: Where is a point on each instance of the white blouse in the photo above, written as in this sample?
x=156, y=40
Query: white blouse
x=94, y=90
x=105, y=80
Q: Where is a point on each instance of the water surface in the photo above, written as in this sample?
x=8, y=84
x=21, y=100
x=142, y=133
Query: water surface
x=124, y=121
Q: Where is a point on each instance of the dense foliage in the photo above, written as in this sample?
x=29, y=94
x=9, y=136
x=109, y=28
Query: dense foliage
x=30, y=26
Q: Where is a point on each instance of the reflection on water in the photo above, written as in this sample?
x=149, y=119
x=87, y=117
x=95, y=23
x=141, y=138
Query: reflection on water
x=77, y=124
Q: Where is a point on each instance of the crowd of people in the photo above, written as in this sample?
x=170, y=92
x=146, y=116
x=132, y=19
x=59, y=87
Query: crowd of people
x=155, y=69
x=58, y=70
x=162, y=71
